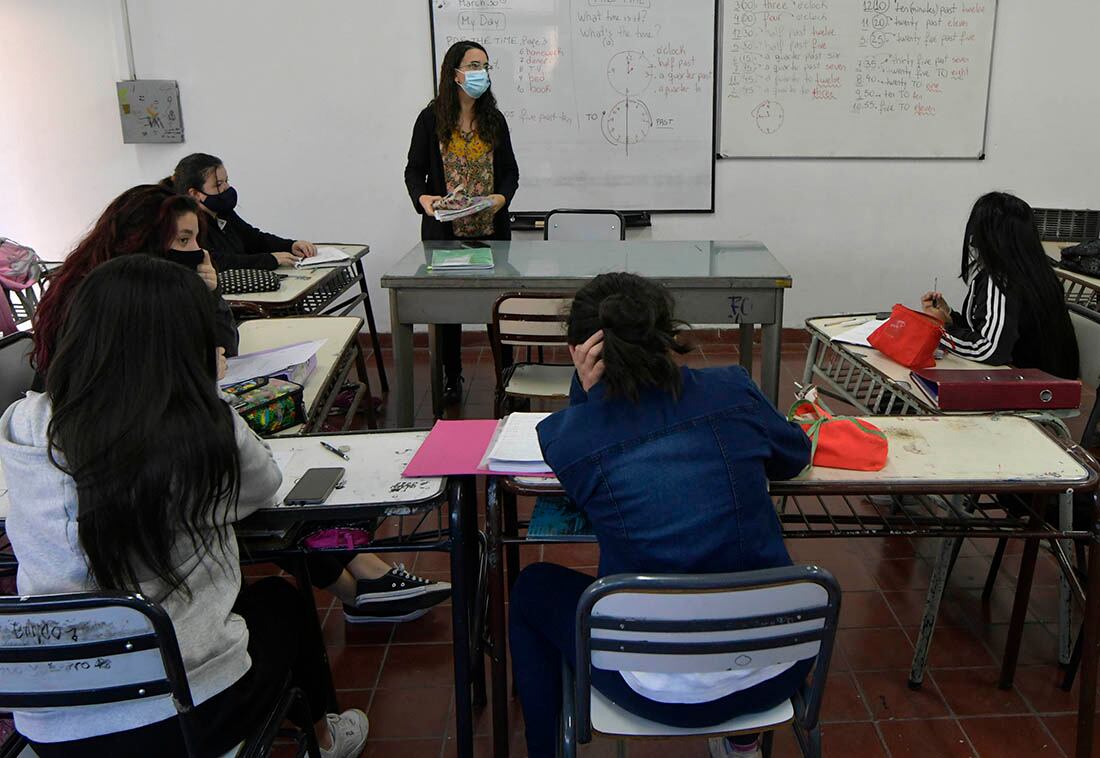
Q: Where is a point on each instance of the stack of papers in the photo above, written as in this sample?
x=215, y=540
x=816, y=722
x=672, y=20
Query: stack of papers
x=466, y=207
x=294, y=362
x=516, y=446
x=858, y=334
x=462, y=259
x=326, y=256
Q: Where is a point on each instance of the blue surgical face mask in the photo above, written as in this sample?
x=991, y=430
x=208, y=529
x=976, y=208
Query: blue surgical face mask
x=476, y=83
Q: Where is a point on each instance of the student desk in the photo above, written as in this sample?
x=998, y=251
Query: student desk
x=313, y=291
x=374, y=489
x=953, y=463
x=1080, y=289
x=335, y=360
x=713, y=283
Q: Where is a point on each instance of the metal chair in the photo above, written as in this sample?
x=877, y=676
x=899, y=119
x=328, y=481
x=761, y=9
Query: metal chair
x=80, y=649
x=584, y=225
x=16, y=374
x=530, y=320
x=701, y=623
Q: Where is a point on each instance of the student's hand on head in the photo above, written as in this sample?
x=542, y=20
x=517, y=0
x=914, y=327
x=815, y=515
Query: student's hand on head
x=935, y=306
x=223, y=364
x=207, y=272
x=286, y=259
x=304, y=249
x=586, y=358
x=427, y=202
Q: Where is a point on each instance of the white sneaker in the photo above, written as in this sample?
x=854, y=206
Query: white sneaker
x=349, y=734
x=721, y=747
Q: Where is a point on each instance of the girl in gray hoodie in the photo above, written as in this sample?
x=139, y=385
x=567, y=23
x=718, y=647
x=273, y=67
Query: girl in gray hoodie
x=128, y=474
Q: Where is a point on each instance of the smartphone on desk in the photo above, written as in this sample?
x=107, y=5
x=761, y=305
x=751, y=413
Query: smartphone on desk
x=315, y=486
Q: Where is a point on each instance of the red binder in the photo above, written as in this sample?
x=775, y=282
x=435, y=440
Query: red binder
x=1002, y=389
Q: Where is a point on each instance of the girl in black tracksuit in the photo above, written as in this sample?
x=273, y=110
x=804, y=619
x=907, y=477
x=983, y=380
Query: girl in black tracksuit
x=1014, y=311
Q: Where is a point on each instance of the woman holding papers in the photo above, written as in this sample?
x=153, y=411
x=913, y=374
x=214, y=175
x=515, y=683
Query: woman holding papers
x=671, y=466
x=1015, y=310
x=461, y=149
x=128, y=475
x=144, y=219
x=232, y=242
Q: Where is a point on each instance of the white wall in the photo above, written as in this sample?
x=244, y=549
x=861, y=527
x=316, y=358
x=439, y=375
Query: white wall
x=311, y=105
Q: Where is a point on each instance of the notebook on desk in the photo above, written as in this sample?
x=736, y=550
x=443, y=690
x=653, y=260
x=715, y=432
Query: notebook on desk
x=454, y=448
x=1003, y=389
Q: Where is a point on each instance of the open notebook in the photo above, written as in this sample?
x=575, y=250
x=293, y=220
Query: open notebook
x=326, y=256
x=515, y=447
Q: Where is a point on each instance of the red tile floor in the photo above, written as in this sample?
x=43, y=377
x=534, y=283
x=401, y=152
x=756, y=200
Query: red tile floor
x=402, y=675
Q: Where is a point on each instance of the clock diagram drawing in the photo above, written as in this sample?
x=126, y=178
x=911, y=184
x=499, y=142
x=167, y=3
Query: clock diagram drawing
x=628, y=121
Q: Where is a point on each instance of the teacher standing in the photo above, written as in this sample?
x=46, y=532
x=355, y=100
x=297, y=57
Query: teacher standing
x=461, y=140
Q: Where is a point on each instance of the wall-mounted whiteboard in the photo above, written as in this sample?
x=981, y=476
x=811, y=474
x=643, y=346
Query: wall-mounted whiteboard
x=855, y=78
x=610, y=102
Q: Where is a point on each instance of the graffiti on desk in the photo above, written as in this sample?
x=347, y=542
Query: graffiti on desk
x=739, y=305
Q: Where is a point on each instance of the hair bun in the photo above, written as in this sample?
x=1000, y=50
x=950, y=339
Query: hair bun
x=627, y=317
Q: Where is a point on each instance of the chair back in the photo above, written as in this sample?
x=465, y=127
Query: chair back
x=79, y=649
x=16, y=374
x=1086, y=327
x=707, y=623
x=581, y=225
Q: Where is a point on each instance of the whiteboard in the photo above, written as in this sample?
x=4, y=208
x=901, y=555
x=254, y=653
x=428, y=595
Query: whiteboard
x=856, y=78
x=611, y=103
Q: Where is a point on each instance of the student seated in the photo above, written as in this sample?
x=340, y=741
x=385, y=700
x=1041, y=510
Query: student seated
x=1015, y=310
x=128, y=474
x=143, y=219
x=151, y=219
x=232, y=242
x=671, y=465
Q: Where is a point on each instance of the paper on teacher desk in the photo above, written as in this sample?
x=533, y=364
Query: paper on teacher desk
x=858, y=335
x=326, y=256
x=267, y=362
x=516, y=445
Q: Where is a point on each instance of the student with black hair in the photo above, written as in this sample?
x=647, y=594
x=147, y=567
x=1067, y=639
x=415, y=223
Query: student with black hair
x=1015, y=310
x=128, y=474
x=232, y=241
x=671, y=466
x=461, y=141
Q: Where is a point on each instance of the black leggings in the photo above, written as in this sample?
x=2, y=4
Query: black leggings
x=283, y=637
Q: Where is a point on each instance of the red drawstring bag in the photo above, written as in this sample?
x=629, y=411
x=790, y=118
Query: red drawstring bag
x=843, y=442
x=908, y=337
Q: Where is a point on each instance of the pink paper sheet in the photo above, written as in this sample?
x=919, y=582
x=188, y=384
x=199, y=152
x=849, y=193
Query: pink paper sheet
x=455, y=448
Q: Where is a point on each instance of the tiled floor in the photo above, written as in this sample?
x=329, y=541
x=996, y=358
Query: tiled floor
x=402, y=675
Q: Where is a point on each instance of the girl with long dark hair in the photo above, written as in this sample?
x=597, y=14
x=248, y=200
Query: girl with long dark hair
x=143, y=219
x=128, y=474
x=461, y=140
x=1015, y=310
x=233, y=242
x=642, y=437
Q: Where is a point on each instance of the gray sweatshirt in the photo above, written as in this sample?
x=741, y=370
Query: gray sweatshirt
x=43, y=531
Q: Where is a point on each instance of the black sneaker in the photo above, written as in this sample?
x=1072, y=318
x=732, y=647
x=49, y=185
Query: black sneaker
x=396, y=596
x=452, y=390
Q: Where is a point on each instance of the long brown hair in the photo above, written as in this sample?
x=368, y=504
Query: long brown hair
x=140, y=220
x=488, y=119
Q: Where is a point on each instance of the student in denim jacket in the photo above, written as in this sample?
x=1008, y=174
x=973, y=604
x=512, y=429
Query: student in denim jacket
x=671, y=465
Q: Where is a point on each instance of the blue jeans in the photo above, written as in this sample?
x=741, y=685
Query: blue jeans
x=542, y=629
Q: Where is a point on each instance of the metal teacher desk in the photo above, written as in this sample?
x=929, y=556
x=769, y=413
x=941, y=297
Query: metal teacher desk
x=714, y=283
x=953, y=463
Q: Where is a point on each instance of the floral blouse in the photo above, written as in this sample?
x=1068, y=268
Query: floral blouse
x=468, y=161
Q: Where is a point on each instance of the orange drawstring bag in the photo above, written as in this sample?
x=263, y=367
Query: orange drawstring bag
x=844, y=442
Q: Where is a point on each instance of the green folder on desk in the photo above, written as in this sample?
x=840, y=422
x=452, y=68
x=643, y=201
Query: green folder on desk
x=462, y=259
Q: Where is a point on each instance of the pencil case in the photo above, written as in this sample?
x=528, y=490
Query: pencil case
x=268, y=405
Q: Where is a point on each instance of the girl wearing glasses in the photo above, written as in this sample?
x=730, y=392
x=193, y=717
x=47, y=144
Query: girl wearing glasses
x=460, y=144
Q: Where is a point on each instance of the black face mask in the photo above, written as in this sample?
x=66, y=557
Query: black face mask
x=223, y=202
x=189, y=258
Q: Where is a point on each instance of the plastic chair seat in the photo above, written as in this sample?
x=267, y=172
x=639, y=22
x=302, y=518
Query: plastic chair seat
x=610, y=719
x=539, y=380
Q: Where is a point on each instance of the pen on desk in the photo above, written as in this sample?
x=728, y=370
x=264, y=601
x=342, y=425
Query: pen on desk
x=334, y=451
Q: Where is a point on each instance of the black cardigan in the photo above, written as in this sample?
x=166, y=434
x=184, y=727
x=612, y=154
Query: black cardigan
x=241, y=245
x=424, y=176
